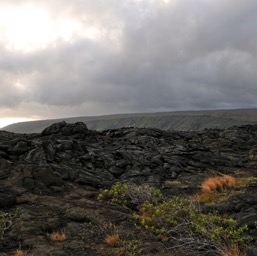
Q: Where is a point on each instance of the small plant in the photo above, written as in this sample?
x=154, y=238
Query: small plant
x=140, y=194
x=3, y=222
x=211, y=195
x=213, y=187
x=252, y=157
x=245, y=181
x=112, y=240
x=206, y=197
x=122, y=193
x=129, y=248
x=20, y=253
x=126, y=248
x=159, y=219
x=218, y=184
x=57, y=236
x=233, y=250
x=228, y=181
x=118, y=194
x=6, y=221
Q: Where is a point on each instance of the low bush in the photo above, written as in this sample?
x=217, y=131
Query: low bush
x=188, y=228
x=118, y=194
x=122, y=193
x=139, y=194
x=179, y=222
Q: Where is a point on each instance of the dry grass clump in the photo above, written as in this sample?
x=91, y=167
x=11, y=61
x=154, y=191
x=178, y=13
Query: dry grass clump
x=218, y=184
x=229, y=181
x=233, y=251
x=211, y=186
x=112, y=240
x=57, y=236
x=206, y=197
x=20, y=253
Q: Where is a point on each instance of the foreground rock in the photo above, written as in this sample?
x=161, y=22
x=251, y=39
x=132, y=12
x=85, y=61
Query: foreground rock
x=53, y=179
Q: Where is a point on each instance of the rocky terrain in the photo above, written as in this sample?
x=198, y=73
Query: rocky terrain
x=49, y=181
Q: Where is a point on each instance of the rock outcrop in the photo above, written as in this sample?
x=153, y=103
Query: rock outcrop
x=53, y=179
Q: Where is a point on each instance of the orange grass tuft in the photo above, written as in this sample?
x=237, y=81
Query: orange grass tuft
x=233, y=251
x=218, y=183
x=57, y=236
x=112, y=240
x=208, y=185
x=230, y=181
x=20, y=253
x=164, y=238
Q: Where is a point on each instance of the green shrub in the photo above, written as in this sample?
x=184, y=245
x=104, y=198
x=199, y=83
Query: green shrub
x=187, y=226
x=179, y=220
x=140, y=194
x=158, y=219
x=122, y=193
x=118, y=194
x=129, y=248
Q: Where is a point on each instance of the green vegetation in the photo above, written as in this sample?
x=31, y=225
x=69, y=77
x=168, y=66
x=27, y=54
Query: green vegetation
x=129, y=248
x=245, y=181
x=3, y=223
x=6, y=221
x=122, y=193
x=179, y=221
x=252, y=157
x=172, y=182
x=180, y=215
x=118, y=194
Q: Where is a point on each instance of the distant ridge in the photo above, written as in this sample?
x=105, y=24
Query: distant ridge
x=179, y=120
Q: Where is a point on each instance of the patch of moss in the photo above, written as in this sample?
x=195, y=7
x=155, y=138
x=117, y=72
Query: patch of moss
x=213, y=172
x=245, y=181
x=172, y=182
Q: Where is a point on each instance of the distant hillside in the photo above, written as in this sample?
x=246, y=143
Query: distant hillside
x=183, y=121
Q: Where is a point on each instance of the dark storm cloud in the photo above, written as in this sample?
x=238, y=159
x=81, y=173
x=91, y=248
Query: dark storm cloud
x=151, y=56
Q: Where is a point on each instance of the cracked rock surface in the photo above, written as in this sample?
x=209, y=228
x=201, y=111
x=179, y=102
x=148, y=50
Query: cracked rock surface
x=53, y=178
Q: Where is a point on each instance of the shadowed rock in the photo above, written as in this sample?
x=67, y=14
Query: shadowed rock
x=53, y=178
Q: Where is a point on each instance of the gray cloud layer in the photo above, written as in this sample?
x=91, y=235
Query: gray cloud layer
x=151, y=56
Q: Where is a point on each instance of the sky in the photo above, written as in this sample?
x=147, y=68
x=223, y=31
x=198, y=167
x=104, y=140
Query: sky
x=82, y=57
